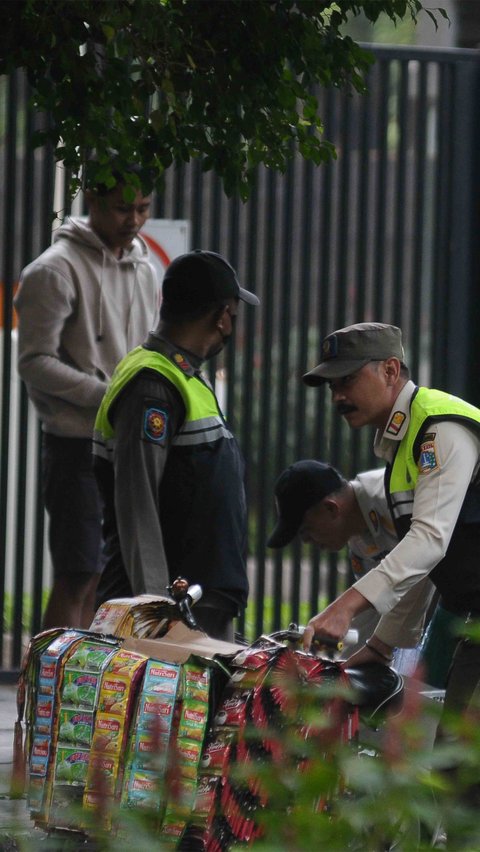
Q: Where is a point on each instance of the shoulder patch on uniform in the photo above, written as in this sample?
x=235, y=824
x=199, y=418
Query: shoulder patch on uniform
x=428, y=458
x=396, y=422
x=155, y=424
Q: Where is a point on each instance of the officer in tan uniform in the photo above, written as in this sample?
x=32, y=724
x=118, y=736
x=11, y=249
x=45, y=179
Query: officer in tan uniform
x=430, y=441
x=315, y=502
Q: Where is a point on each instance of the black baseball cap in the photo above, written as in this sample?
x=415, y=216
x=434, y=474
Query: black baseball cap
x=298, y=488
x=348, y=349
x=203, y=277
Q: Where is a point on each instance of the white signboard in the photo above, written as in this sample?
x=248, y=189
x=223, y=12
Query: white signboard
x=166, y=239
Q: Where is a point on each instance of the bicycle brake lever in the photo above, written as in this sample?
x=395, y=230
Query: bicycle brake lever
x=185, y=596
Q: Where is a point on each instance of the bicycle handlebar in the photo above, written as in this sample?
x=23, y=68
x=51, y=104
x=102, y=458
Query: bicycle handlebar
x=186, y=596
x=294, y=634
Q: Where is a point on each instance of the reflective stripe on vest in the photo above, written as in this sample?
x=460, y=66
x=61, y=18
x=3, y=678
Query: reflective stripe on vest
x=203, y=422
x=427, y=406
x=202, y=431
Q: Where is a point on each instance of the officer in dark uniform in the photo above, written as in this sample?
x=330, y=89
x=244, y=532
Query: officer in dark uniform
x=170, y=469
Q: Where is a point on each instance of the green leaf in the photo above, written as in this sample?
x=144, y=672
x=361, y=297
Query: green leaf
x=108, y=31
x=179, y=78
x=129, y=193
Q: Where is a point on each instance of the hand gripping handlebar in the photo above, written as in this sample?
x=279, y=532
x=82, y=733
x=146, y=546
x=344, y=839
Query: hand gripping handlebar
x=294, y=634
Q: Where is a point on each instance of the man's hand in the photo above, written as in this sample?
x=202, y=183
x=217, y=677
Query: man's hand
x=335, y=620
x=332, y=624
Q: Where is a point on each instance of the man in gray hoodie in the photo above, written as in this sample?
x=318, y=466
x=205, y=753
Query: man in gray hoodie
x=82, y=305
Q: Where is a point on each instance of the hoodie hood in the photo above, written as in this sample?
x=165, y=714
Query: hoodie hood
x=80, y=231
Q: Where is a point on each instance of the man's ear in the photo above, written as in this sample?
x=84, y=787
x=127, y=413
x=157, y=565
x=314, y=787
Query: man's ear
x=331, y=507
x=392, y=369
x=219, y=316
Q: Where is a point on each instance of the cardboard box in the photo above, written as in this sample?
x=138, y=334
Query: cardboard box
x=180, y=643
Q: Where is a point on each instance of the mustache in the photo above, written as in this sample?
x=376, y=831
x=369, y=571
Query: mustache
x=344, y=408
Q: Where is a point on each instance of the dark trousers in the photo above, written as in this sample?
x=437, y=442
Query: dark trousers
x=74, y=505
x=463, y=677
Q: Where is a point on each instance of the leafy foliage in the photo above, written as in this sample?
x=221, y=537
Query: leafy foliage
x=394, y=793
x=163, y=81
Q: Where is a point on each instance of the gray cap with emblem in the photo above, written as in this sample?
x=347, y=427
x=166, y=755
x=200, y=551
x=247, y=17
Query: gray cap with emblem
x=348, y=349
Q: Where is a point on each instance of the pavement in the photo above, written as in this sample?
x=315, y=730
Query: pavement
x=14, y=817
x=18, y=832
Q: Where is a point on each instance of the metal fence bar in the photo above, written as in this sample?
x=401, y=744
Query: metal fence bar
x=443, y=192
x=380, y=195
x=399, y=192
x=281, y=384
x=265, y=398
x=19, y=559
x=465, y=222
x=415, y=320
x=247, y=384
x=10, y=173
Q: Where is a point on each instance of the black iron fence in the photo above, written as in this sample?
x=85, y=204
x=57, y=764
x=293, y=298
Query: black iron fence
x=388, y=231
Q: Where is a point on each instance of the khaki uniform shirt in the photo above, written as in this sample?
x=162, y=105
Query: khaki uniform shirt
x=439, y=495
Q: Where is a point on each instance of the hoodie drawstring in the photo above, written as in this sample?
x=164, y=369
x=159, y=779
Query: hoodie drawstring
x=100, y=311
x=100, y=304
x=130, y=308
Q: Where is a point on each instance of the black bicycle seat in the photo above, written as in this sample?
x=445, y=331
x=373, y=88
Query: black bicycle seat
x=375, y=686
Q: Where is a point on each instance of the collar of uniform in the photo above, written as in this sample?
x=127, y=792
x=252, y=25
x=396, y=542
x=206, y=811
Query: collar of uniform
x=365, y=486
x=398, y=421
x=185, y=361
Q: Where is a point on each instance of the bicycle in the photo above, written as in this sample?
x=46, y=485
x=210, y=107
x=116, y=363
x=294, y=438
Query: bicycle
x=284, y=712
x=282, y=726
x=359, y=700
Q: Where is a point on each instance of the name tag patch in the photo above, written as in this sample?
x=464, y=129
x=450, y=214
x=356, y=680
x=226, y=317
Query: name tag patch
x=155, y=425
x=396, y=422
x=181, y=362
x=428, y=457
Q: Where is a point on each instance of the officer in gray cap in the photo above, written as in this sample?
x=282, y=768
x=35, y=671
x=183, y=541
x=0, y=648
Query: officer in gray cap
x=430, y=442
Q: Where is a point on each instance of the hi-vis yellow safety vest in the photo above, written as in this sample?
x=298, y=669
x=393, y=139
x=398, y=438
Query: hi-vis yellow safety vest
x=203, y=422
x=457, y=576
x=427, y=407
